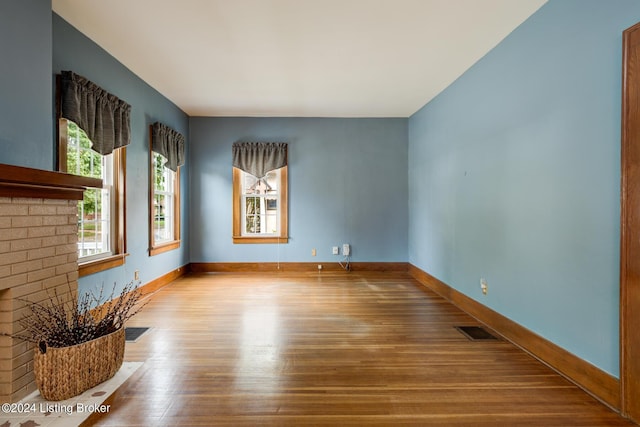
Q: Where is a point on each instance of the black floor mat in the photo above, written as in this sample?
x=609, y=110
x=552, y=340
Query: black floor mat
x=476, y=333
x=132, y=334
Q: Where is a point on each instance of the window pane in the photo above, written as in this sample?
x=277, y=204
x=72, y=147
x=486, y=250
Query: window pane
x=163, y=226
x=98, y=235
x=81, y=160
x=93, y=223
x=163, y=218
x=249, y=183
x=252, y=224
x=252, y=205
x=272, y=180
x=271, y=224
x=158, y=172
x=169, y=177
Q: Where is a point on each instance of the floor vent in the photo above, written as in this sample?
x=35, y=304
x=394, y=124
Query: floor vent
x=476, y=333
x=133, y=334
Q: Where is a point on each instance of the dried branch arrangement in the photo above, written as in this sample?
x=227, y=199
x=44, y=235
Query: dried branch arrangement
x=58, y=322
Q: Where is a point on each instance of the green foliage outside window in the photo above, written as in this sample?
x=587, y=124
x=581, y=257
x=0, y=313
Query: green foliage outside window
x=81, y=160
x=159, y=173
x=253, y=215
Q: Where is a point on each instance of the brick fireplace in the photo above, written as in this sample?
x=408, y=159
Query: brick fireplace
x=38, y=257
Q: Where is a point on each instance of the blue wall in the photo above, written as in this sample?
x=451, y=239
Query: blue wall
x=514, y=175
x=347, y=184
x=26, y=106
x=73, y=51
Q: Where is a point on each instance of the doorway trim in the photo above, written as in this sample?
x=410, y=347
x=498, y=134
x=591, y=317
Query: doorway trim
x=630, y=226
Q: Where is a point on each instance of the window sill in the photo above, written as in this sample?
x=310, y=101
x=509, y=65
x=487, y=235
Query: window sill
x=164, y=247
x=102, y=264
x=252, y=239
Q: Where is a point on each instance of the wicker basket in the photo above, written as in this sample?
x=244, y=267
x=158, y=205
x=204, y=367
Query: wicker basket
x=64, y=372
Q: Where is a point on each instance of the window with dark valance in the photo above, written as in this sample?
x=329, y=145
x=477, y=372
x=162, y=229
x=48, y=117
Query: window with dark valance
x=92, y=125
x=166, y=155
x=168, y=143
x=102, y=116
x=260, y=193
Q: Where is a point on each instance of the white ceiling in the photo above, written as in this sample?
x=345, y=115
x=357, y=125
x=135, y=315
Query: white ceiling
x=304, y=58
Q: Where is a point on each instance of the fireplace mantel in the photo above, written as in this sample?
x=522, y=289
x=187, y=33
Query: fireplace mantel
x=38, y=258
x=18, y=181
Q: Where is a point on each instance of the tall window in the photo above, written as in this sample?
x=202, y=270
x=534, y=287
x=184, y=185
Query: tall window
x=166, y=148
x=94, y=212
x=165, y=206
x=101, y=212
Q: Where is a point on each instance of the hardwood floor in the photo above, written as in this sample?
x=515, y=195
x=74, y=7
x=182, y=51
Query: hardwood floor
x=327, y=349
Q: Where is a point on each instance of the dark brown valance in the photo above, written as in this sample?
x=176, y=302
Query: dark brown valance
x=259, y=158
x=102, y=116
x=169, y=143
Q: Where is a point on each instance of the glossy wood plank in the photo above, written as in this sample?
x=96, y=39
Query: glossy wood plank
x=330, y=349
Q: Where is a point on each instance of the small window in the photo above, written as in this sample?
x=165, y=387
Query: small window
x=260, y=207
x=101, y=212
x=165, y=206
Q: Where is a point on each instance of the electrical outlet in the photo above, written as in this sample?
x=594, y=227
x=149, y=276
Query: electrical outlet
x=483, y=286
x=313, y=252
x=346, y=249
x=136, y=275
x=336, y=250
